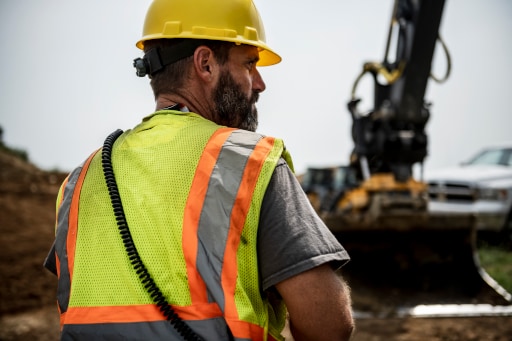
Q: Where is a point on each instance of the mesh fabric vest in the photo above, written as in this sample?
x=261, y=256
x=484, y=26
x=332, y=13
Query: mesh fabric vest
x=191, y=191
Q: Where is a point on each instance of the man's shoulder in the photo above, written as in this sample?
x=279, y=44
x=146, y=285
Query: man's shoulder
x=255, y=133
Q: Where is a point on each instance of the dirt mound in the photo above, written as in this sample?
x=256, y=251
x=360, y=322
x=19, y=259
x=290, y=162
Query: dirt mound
x=27, y=215
x=27, y=201
x=27, y=291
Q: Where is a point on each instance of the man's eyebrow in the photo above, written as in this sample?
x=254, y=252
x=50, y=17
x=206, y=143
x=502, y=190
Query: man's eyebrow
x=253, y=59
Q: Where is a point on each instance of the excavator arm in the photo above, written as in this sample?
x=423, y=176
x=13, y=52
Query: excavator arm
x=392, y=138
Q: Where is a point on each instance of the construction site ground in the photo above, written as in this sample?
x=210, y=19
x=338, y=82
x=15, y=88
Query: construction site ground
x=27, y=293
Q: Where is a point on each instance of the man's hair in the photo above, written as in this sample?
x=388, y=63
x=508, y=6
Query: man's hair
x=172, y=76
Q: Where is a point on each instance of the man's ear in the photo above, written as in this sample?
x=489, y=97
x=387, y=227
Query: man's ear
x=205, y=63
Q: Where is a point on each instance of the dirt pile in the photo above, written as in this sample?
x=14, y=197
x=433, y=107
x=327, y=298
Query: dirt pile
x=27, y=291
x=27, y=206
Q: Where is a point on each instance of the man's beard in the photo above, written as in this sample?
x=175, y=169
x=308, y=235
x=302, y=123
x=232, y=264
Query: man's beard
x=232, y=107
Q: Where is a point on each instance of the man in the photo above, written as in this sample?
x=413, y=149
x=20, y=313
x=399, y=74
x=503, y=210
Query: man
x=214, y=233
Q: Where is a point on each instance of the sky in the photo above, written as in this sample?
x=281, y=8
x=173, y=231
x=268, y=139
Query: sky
x=67, y=77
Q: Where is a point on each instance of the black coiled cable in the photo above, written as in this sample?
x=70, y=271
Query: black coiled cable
x=149, y=284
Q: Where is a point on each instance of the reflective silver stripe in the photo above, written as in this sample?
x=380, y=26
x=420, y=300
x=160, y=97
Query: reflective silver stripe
x=219, y=201
x=212, y=329
x=64, y=282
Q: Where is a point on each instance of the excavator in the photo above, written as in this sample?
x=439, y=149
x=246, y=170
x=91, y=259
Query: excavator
x=405, y=261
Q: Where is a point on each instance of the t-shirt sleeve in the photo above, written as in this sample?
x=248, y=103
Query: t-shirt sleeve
x=291, y=236
x=50, y=261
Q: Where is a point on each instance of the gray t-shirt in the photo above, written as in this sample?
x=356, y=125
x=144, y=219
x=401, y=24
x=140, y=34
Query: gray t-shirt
x=291, y=237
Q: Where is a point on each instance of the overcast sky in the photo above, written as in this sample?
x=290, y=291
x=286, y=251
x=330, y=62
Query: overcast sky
x=67, y=79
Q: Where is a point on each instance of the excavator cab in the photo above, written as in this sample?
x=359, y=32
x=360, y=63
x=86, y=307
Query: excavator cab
x=326, y=186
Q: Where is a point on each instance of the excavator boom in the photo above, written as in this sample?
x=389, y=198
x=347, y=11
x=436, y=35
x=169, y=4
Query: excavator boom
x=392, y=138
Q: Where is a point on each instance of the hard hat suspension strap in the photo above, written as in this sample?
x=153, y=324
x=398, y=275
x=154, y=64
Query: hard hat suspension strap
x=157, y=58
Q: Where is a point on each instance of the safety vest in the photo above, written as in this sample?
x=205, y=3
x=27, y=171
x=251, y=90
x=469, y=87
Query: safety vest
x=191, y=191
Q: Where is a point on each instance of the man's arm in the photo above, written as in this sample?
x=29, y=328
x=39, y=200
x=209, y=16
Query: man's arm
x=319, y=305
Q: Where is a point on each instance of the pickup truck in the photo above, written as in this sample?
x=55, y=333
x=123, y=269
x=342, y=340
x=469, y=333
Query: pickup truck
x=481, y=186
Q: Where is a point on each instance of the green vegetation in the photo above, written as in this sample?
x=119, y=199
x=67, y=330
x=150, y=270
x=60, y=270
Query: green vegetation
x=21, y=154
x=497, y=262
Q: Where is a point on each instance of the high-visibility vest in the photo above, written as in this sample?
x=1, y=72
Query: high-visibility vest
x=191, y=191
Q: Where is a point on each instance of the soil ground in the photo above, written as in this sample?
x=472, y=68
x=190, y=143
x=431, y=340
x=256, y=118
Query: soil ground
x=27, y=291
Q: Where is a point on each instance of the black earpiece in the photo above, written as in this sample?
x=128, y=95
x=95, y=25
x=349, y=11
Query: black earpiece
x=141, y=66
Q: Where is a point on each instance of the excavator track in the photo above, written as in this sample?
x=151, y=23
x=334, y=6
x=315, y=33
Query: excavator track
x=417, y=265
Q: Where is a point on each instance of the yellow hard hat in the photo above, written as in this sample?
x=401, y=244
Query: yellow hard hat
x=237, y=21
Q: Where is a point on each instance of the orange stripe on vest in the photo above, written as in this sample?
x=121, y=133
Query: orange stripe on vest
x=136, y=313
x=73, y=217
x=193, y=211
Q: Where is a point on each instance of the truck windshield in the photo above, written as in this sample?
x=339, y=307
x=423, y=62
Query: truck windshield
x=493, y=157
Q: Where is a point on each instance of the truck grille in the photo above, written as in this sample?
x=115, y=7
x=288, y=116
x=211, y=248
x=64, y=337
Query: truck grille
x=451, y=192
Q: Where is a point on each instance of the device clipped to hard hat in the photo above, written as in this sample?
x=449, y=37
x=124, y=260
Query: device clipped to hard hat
x=236, y=21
